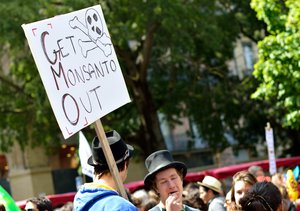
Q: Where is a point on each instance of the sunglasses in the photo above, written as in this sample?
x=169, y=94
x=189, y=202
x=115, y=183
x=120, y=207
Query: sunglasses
x=29, y=210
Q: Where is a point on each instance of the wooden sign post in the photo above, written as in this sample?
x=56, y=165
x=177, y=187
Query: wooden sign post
x=271, y=149
x=109, y=158
x=80, y=72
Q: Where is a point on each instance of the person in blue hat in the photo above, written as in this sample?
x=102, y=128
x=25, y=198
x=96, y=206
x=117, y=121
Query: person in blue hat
x=102, y=193
x=165, y=177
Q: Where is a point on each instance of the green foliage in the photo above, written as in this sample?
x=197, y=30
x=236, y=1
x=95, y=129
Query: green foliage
x=278, y=68
x=26, y=116
x=178, y=67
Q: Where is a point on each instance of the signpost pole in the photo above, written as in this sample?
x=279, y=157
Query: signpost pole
x=109, y=158
x=271, y=149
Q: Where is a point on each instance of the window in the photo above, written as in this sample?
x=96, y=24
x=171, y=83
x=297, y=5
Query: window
x=248, y=56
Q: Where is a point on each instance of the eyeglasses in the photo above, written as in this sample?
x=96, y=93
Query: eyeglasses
x=29, y=209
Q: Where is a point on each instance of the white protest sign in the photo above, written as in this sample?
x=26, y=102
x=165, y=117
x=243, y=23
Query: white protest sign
x=271, y=150
x=78, y=66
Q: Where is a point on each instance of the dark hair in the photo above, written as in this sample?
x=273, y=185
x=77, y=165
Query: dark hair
x=2, y=207
x=192, y=197
x=150, y=204
x=263, y=196
x=42, y=203
x=105, y=169
x=206, y=189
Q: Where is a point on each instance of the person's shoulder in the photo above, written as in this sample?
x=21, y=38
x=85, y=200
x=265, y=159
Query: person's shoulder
x=115, y=202
x=188, y=208
x=155, y=208
x=219, y=199
x=217, y=204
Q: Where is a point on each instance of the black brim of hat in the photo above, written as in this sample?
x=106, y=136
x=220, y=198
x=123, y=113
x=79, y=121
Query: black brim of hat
x=91, y=161
x=177, y=165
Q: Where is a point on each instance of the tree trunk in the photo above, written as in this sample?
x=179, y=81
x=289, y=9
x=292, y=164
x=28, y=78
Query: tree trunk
x=295, y=137
x=151, y=138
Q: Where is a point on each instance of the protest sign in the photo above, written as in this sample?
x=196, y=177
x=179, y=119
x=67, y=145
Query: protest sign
x=78, y=66
x=80, y=72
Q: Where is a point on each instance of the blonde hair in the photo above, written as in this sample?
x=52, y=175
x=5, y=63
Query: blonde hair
x=244, y=176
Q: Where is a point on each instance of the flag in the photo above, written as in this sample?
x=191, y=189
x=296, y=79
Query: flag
x=84, y=153
x=7, y=200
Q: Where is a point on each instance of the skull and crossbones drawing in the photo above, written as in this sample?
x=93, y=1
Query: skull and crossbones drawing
x=93, y=29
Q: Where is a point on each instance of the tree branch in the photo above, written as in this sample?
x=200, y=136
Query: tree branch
x=147, y=48
x=11, y=84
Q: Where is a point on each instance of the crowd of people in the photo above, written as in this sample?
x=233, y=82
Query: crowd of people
x=165, y=190
x=246, y=193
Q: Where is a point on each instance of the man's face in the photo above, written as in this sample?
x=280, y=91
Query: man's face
x=168, y=182
x=205, y=196
x=240, y=188
x=31, y=207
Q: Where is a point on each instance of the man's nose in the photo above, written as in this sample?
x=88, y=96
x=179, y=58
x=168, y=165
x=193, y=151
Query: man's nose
x=171, y=183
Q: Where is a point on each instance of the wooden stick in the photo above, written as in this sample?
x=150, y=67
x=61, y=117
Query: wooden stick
x=83, y=178
x=110, y=158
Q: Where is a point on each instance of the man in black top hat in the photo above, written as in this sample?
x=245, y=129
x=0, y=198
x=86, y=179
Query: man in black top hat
x=101, y=194
x=166, y=178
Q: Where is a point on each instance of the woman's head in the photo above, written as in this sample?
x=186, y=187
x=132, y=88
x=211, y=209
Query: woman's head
x=242, y=182
x=278, y=179
x=263, y=196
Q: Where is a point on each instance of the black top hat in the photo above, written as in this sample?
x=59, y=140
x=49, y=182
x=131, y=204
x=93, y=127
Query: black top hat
x=161, y=160
x=120, y=150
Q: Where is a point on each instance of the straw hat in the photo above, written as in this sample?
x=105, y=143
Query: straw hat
x=211, y=183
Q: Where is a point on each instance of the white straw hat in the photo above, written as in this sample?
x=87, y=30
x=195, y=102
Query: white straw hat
x=211, y=183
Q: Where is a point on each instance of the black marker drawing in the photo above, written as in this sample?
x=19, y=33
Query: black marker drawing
x=93, y=28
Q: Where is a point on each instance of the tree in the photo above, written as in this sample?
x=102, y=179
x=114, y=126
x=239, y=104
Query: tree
x=25, y=112
x=278, y=66
x=186, y=70
x=173, y=56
